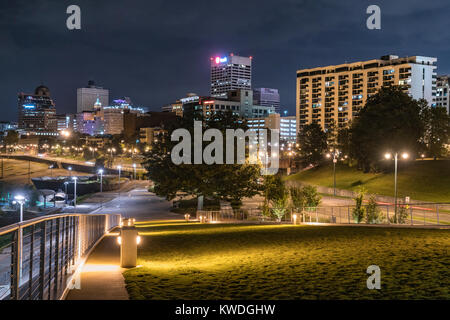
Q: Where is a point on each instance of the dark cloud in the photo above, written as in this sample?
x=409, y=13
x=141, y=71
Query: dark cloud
x=157, y=51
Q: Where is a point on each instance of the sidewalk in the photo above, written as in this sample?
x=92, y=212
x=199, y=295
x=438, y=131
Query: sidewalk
x=101, y=276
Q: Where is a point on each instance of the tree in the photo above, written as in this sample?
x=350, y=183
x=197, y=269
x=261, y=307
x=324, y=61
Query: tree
x=312, y=144
x=297, y=198
x=358, y=210
x=436, y=130
x=276, y=194
x=390, y=121
x=230, y=182
x=12, y=137
x=373, y=213
x=312, y=196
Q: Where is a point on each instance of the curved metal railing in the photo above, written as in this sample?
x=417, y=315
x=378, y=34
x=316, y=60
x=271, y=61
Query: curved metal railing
x=38, y=257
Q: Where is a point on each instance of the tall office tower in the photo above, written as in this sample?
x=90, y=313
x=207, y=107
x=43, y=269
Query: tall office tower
x=37, y=111
x=337, y=93
x=87, y=97
x=443, y=92
x=229, y=73
x=267, y=97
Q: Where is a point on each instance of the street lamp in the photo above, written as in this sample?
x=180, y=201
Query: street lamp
x=389, y=156
x=334, y=154
x=74, y=191
x=101, y=180
x=120, y=168
x=70, y=170
x=65, y=194
x=134, y=170
x=20, y=199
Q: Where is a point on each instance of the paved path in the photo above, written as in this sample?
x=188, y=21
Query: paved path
x=101, y=276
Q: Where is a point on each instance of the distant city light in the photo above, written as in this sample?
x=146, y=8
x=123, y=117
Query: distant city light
x=221, y=60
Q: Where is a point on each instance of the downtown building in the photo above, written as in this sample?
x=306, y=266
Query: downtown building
x=87, y=97
x=239, y=102
x=230, y=73
x=37, y=112
x=267, y=97
x=286, y=125
x=337, y=93
x=442, y=93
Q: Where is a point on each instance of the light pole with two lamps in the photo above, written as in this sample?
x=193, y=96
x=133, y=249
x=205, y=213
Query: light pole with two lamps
x=389, y=156
x=334, y=154
x=20, y=199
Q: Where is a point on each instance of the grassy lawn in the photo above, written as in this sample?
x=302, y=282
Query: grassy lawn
x=420, y=180
x=196, y=261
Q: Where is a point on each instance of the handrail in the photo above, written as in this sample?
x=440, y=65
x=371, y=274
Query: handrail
x=27, y=223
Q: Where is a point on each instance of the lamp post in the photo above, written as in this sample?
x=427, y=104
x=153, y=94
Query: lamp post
x=74, y=191
x=70, y=170
x=20, y=199
x=65, y=194
x=334, y=154
x=101, y=180
x=388, y=156
x=120, y=168
x=134, y=171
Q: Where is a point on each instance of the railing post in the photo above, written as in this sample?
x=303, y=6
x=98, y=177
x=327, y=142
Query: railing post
x=42, y=261
x=15, y=267
x=387, y=214
x=348, y=214
x=30, y=277
x=437, y=213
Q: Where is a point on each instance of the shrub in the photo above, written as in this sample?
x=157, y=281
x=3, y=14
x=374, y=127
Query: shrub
x=373, y=213
x=358, y=211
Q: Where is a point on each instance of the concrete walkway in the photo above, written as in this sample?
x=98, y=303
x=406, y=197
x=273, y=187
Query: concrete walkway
x=101, y=276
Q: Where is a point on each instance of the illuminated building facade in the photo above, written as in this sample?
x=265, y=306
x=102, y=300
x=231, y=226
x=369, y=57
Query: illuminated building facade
x=37, y=111
x=337, y=93
x=229, y=73
x=442, y=93
x=87, y=97
x=267, y=97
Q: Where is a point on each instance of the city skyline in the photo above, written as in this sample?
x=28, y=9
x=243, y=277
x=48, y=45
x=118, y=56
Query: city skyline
x=155, y=72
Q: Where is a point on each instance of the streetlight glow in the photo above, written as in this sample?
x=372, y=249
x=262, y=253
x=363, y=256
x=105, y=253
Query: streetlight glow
x=387, y=156
x=405, y=155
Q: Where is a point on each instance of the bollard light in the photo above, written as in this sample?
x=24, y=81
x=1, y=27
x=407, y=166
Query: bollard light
x=138, y=239
x=187, y=216
x=295, y=218
x=119, y=240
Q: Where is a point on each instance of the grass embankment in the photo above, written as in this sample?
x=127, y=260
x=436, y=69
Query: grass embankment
x=420, y=180
x=198, y=261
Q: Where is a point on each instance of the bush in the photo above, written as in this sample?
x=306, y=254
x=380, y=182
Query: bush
x=402, y=215
x=373, y=213
x=358, y=211
x=279, y=206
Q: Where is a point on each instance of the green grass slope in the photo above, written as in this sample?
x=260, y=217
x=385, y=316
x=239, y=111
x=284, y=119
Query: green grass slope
x=214, y=261
x=420, y=180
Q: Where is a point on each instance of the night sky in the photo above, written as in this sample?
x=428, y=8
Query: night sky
x=156, y=51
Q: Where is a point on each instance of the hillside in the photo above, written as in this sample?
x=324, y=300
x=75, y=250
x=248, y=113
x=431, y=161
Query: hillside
x=420, y=180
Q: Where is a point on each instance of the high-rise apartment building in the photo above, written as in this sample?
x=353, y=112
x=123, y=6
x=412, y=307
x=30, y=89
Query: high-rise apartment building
x=267, y=97
x=337, y=93
x=442, y=93
x=87, y=97
x=229, y=73
x=37, y=111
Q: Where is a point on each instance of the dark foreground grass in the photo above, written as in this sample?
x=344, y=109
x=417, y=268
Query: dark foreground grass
x=193, y=261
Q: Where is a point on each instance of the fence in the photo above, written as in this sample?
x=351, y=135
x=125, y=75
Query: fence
x=38, y=257
x=414, y=214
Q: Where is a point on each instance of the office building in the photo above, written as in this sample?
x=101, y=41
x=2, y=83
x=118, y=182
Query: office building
x=267, y=97
x=87, y=97
x=229, y=73
x=6, y=126
x=239, y=102
x=337, y=93
x=37, y=111
x=442, y=93
x=287, y=126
